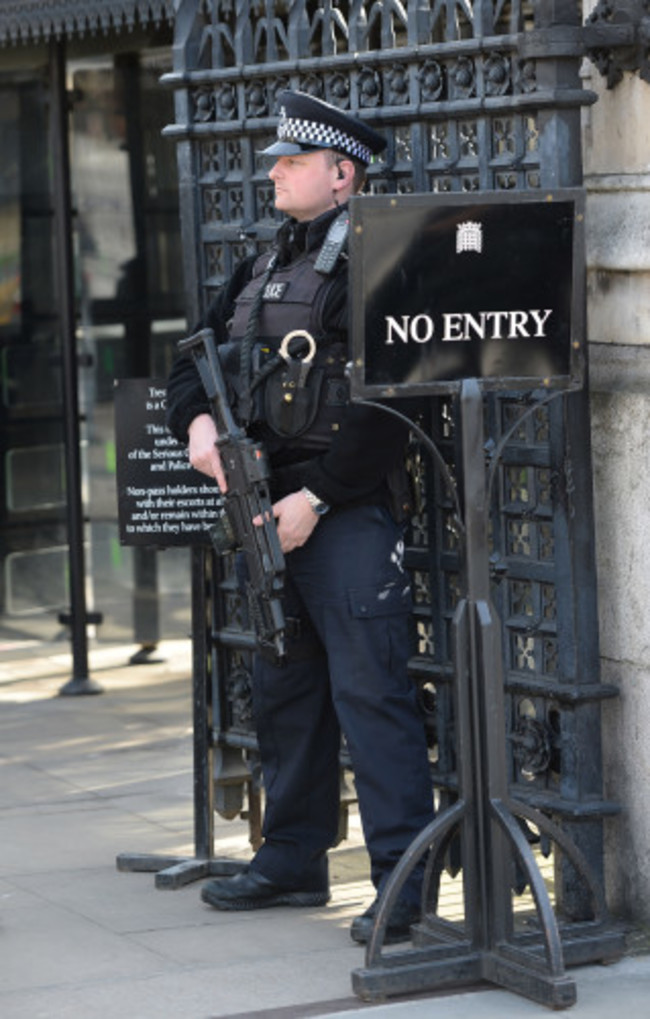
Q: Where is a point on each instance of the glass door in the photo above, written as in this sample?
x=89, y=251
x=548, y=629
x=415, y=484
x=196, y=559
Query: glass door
x=33, y=549
x=130, y=313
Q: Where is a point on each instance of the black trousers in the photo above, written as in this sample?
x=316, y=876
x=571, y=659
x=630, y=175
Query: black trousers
x=348, y=581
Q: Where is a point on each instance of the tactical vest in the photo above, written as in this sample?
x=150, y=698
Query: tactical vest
x=298, y=401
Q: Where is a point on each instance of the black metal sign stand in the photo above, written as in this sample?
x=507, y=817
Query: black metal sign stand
x=174, y=872
x=487, y=947
x=161, y=502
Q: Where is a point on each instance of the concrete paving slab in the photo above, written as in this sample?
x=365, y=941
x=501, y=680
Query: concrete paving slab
x=23, y=783
x=120, y=903
x=222, y=941
x=49, y=840
x=83, y=780
x=267, y=991
x=44, y=945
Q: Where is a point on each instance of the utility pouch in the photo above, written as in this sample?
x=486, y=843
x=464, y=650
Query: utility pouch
x=292, y=393
x=229, y=357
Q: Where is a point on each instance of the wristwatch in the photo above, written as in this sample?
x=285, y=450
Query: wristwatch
x=319, y=507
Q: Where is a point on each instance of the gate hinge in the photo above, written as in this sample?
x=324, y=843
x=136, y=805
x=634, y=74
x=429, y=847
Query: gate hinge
x=617, y=38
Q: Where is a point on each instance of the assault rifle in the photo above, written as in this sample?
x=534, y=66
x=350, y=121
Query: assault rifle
x=246, y=469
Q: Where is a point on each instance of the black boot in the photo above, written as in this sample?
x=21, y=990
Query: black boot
x=402, y=916
x=251, y=890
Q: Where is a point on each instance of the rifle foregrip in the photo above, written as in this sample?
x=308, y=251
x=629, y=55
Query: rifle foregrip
x=246, y=469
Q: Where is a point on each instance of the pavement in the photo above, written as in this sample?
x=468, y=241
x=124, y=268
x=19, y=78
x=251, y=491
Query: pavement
x=85, y=779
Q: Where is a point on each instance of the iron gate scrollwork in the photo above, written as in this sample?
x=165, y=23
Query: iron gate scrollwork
x=482, y=96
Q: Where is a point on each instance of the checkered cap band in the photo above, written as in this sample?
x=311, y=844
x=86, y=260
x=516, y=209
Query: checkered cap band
x=312, y=132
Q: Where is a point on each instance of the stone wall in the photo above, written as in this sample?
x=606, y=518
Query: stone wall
x=616, y=139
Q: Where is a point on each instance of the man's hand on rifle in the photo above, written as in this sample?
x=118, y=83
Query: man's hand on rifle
x=295, y=520
x=203, y=452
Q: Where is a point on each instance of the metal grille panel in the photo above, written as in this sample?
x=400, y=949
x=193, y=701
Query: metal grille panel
x=470, y=96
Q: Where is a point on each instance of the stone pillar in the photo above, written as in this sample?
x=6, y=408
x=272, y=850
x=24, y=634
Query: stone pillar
x=616, y=140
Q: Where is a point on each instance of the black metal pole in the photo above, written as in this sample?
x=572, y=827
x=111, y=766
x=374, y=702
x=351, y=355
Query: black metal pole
x=137, y=334
x=80, y=682
x=202, y=628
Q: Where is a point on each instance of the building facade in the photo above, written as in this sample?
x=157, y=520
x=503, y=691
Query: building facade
x=616, y=132
x=95, y=291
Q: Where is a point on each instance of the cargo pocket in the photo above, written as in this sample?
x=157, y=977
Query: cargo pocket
x=374, y=602
x=384, y=635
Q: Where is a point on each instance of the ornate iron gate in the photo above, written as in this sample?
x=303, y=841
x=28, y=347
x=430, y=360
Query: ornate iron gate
x=471, y=97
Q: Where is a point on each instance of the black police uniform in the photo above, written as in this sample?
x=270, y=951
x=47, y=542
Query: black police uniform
x=347, y=587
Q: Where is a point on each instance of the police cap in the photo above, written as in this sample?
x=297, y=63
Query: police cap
x=307, y=124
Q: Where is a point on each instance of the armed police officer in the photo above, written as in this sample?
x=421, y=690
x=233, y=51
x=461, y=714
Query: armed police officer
x=333, y=466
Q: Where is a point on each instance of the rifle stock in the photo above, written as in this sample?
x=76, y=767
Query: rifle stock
x=245, y=466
